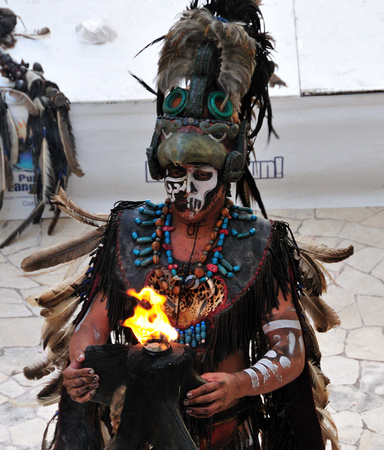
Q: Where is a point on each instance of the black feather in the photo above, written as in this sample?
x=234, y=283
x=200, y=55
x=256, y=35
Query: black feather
x=247, y=185
x=150, y=44
x=144, y=84
x=54, y=220
x=35, y=215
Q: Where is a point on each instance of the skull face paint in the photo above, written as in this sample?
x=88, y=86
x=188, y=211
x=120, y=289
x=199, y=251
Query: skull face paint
x=188, y=186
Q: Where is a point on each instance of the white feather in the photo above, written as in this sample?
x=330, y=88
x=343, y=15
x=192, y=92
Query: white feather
x=14, y=150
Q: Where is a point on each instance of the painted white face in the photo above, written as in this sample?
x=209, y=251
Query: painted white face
x=188, y=186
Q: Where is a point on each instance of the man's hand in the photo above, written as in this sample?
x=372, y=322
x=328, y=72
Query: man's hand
x=81, y=383
x=219, y=394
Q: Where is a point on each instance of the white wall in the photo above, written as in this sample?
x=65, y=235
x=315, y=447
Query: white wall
x=331, y=145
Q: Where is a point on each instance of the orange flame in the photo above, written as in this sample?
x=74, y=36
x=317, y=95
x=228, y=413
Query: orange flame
x=150, y=323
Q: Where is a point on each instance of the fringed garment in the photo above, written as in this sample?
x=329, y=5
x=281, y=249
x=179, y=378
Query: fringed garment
x=234, y=312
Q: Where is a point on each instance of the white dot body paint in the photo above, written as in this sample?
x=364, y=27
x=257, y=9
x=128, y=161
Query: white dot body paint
x=271, y=354
x=292, y=342
x=285, y=362
x=96, y=334
x=277, y=339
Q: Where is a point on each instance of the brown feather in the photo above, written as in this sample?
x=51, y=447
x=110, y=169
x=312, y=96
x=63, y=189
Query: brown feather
x=327, y=254
x=55, y=358
x=38, y=370
x=56, y=318
x=53, y=314
x=117, y=405
x=68, y=142
x=319, y=384
x=14, y=139
x=323, y=316
x=311, y=344
x=321, y=398
x=56, y=294
x=52, y=327
x=69, y=207
x=328, y=428
x=313, y=277
x=59, y=345
x=50, y=394
x=64, y=252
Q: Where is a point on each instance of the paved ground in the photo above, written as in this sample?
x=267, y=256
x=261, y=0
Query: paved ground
x=353, y=354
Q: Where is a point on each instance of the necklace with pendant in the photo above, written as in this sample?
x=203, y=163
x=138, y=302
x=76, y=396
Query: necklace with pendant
x=160, y=240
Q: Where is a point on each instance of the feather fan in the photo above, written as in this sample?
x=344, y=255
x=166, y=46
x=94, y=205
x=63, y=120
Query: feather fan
x=64, y=252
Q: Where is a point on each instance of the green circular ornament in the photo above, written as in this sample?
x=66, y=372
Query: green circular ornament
x=175, y=102
x=219, y=97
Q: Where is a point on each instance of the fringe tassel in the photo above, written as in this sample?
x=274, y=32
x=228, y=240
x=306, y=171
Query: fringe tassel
x=255, y=303
x=105, y=278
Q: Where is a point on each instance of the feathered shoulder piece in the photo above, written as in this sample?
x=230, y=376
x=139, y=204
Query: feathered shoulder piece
x=60, y=303
x=64, y=304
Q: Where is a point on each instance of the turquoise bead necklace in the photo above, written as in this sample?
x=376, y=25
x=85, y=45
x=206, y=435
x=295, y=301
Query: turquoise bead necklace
x=160, y=216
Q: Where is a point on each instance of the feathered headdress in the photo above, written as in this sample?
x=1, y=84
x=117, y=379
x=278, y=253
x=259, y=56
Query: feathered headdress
x=213, y=75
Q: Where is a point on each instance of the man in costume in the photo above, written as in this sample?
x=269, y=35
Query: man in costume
x=236, y=284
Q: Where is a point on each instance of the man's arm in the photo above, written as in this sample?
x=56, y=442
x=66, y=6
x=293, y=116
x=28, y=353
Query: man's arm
x=81, y=383
x=279, y=366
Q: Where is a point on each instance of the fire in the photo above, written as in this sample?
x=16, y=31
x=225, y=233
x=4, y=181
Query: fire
x=150, y=323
